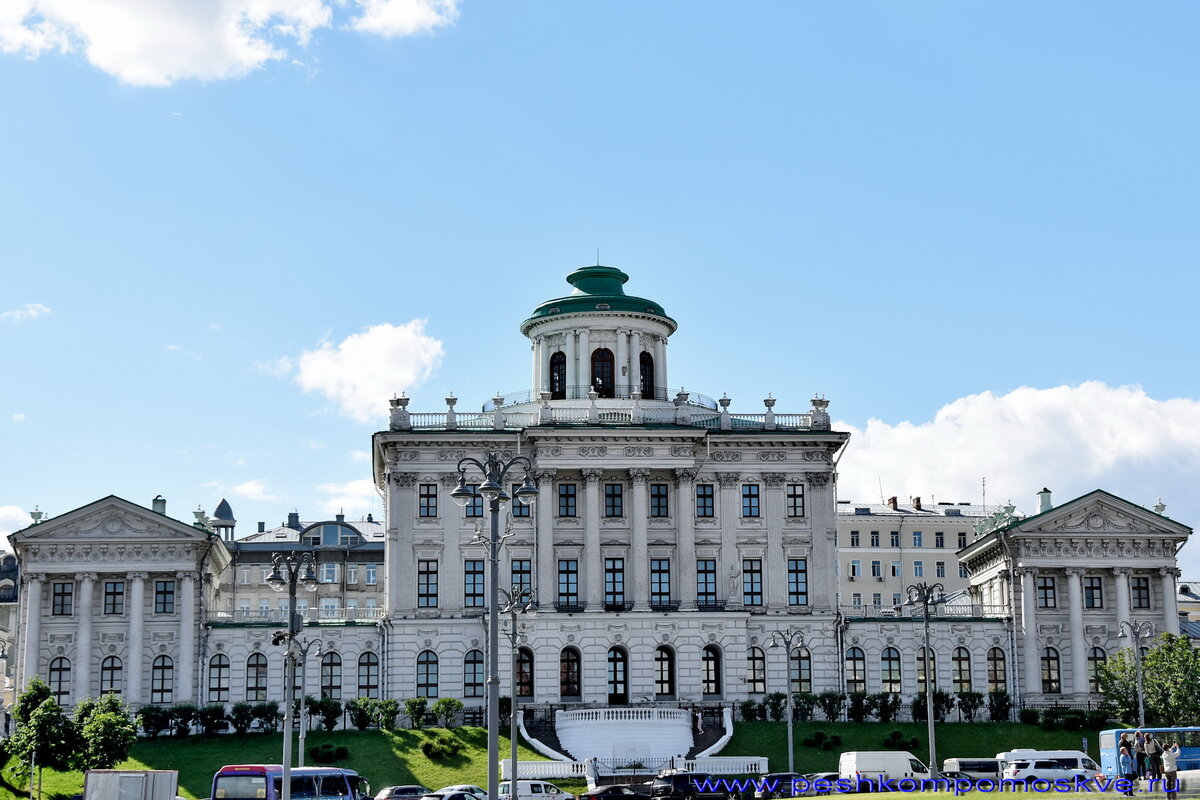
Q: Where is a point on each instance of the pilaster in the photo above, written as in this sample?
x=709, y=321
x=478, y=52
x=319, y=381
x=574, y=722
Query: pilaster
x=776, y=565
x=137, y=610
x=185, y=689
x=730, y=513
x=638, y=552
x=83, y=635
x=545, y=585
x=685, y=483
x=1079, y=682
x=593, y=559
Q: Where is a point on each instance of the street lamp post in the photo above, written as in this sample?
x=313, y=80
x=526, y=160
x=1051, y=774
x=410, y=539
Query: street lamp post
x=300, y=652
x=793, y=640
x=288, y=570
x=1138, y=632
x=494, y=470
x=518, y=600
x=926, y=595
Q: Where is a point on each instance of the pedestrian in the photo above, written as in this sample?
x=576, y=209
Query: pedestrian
x=1139, y=753
x=699, y=722
x=1127, y=767
x=1153, y=757
x=1170, y=770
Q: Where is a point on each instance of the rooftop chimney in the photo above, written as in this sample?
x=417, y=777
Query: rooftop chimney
x=370, y=518
x=294, y=520
x=917, y=503
x=158, y=505
x=892, y=503
x=262, y=527
x=340, y=518
x=1044, y=503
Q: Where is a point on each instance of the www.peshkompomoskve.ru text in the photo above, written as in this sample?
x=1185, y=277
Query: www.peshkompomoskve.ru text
x=959, y=786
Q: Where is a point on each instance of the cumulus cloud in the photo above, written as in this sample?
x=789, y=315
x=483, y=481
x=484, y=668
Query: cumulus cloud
x=160, y=42
x=352, y=497
x=13, y=518
x=18, y=417
x=254, y=490
x=360, y=455
x=27, y=311
x=365, y=369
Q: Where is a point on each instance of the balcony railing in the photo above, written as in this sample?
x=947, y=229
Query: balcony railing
x=625, y=605
x=971, y=611
x=274, y=616
x=664, y=605
x=570, y=608
x=712, y=605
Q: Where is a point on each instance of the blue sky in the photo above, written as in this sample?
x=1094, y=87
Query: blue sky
x=226, y=239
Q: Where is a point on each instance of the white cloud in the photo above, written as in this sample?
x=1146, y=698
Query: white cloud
x=254, y=490
x=360, y=455
x=367, y=368
x=276, y=369
x=29, y=310
x=352, y=497
x=160, y=42
x=18, y=417
x=12, y=519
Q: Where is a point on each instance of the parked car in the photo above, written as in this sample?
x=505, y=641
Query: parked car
x=778, y=784
x=873, y=764
x=533, y=790
x=410, y=790
x=818, y=783
x=1045, y=769
x=448, y=796
x=612, y=793
x=465, y=787
x=688, y=786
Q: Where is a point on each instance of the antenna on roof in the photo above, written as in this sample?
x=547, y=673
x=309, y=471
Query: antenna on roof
x=881, y=500
x=597, y=255
x=984, y=495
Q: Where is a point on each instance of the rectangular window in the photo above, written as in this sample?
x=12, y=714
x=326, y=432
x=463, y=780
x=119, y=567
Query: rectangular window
x=856, y=599
x=660, y=581
x=352, y=574
x=918, y=569
x=519, y=509
x=244, y=577
x=704, y=500
x=372, y=574
x=164, y=597
x=854, y=539
x=962, y=571
x=427, y=584
x=917, y=539
x=797, y=581
x=895, y=598
x=874, y=538
x=894, y=538
x=876, y=569
x=876, y=599
x=522, y=574
x=329, y=572
x=1093, y=592
x=427, y=500
x=752, y=593
x=855, y=568
x=658, y=500
x=614, y=500
x=940, y=569
x=62, y=599
x=1046, y=595
x=1139, y=589
x=962, y=539
x=939, y=539
x=614, y=583
x=895, y=569
x=474, y=507
x=568, y=581
x=750, y=500
x=114, y=597
x=795, y=500
x=473, y=583
x=706, y=581
x=566, y=499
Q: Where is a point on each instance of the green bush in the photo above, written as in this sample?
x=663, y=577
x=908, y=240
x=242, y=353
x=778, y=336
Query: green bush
x=328, y=754
x=447, y=710
x=856, y=711
x=268, y=715
x=329, y=710
x=749, y=710
x=1073, y=719
x=386, y=712
x=361, y=711
x=153, y=720
x=969, y=704
x=803, y=703
x=1028, y=716
x=1096, y=719
x=182, y=717
x=1052, y=719
x=241, y=717
x=831, y=704
x=776, y=703
x=211, y=718
x=441, y=746
x=414, y=709
x=884, y=706
x=999, y=706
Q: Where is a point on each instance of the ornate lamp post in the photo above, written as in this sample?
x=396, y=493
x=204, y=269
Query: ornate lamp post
x=288, y=570
x=1139, y=632
x=494, y=471
x=518, y=600
x=793, y=640
x=926, y=595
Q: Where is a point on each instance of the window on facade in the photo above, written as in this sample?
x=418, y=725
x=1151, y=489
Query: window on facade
x=646, y=370
x=427, y=584
x=164, y=597
x=162, y=680
x=960, y=662
x=62, y=599
x=1046, y=595
x=218, y=678
x=889, y=670
x=522, y=574
x=940, y=569
x=473, y=583
x=876, y=599
x=756, y=676
x=659, y=505
x=704, y=500
x=427, y=498
x=368, y=675
x=427, y=674
x=939, y=539
x=794, y=500
x=664, y=674
x=614, y=500
x=618, y=676
x=1051, y=672
x=566, y=499
x=894, y=538
x=710, y=671
x=706, y=581
x=874, y=538
x=329, y=572
x=963, y=572
x=614, y=583
x=918, y=569
x=752, y=590
x=558, y=376
x=876, y=569
x=331, y=676
x=568, y=581
x=855, y=569
x=800, y=670
x=895, y=598
x=962, y=539
x=569, y=686
x=524, y=672
x=856, y=670
x=474, y=506
x=256, y=678
x=473, y=674
x=112, y=675
x=917, y=539
x=921, y=668
x=660, y=581
x=797, y=569
x=114, y=597
x=372, y=574
x=60, y=680
x=895, y=569
x=603, y=380
x=856, y=599
x=1096, y=659
x=1139, y=588
x=750, y=500
x=517, y=508
x=855, y=539
x=1093, y=592
x=996, y=677
x=352, y=574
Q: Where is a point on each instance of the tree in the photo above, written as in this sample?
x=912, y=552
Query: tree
x=415, y=707
x=831, y=704
x=36, y=692
x=969, y=704
x=107, y=734
x=1170, y=675
x=447, y=710
x=49, y=738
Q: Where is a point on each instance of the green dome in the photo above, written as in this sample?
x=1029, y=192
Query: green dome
x=597, y=289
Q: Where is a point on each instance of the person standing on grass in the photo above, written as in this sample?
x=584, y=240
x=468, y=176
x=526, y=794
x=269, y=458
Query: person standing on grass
x=1127, y=768
x=1170, y=770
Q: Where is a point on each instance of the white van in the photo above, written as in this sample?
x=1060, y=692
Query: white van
x=974, y=767
x=533, y=790
x=1071, y=759
x=873, y=764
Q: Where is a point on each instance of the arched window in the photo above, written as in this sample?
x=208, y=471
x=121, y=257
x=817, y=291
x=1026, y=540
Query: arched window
x=756, y=675
x=921, y=668
x=218, y=678
x=800, y=669
x=710, y=664
x=889, y=674
x=856, y=670
x=646, y=367
x=664, y=674
x=162, y=680
x=111, y=675
x=473, y=674
x=1051, y=672
x=961, y=662
x=524, y=672
x=558, y=376
x=602, y=372
x=427, y=674
x=256, y=678
x=568, y=674
x=368, y=675
x=331, y=676
x=1096, y=659
x=997, y=675
x=618, y=676
x=60, y=680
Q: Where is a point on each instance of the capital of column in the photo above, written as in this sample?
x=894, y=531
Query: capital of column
x=409, y=478
x=34, y=577
x=728, y=480
x=1075, y=572
x=817, y=478
x=186, y=575
x=1027, y=572
x=683, y=476
x=138, y=576
x=1121, y=572
x=592, y=475
x=86, y=577
x=449, y=480
x=774, y=479
x=544, y=475
x=639, y=476
x=1169, y=571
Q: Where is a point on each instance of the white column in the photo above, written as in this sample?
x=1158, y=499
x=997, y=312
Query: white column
x=536, y=351
x=1032, y=682
x=83, y=636
x=1121, y=574
x=135, y=662
x=570, y=351
x=776, y=561
x=185, y=689
x=1079, y=681
x=730, y=512
x=32, y=597
x=660, y=362
x=547, y=588
x=635, y=351
x=585, y=361
x=397, y=553
x=624, y=373
x=1170, y=600
x=686, y=551
x=593, y=560
x=639, y=554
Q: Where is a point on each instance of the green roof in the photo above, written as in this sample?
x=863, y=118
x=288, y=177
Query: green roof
x=597, y=289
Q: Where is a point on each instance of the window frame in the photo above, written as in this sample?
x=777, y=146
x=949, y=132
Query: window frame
x=797, y=569
x=114, y=598
x=568, y=500
x=614, y=500
x=427, y=583
x=660, y=500
x=794, y=500
x=164, y=596
x=752, y=582
x=474, y=581
x=706, y=501
x=62, y=599
x=751, y=501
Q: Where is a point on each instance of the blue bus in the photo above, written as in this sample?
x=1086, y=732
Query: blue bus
x=1187, y=738
x=265, y=782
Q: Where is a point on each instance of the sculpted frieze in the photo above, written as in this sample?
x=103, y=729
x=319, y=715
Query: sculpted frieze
x=451, y=455
x=396, y=455
x=683, y=451
x=816, y=455
x=772, y=455
x=639, y=451
x=726, y=455
x=593, y=451
x=548, y=450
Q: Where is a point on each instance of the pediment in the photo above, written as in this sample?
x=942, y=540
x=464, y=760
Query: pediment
x=110, y=520
x=1101, y=514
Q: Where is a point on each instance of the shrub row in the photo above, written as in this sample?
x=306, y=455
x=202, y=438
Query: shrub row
x=883, y=706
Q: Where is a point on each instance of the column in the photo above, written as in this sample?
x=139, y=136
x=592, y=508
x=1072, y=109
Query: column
x=397, y=550
x=572, y=374
x=185, y=689
x=822, y=510
x=134, y=664
x=83, y=636
x=660, y=362
x=1170, y=599
x=730, y=511
x=1079, y=681
x=685, y=552
x=593, y=560
x=635, y=361
x=536, y=351
x=776, y=566
x=639, y=554
x=545, y=586
x=32, y=597
x=1032, y=683
x=585, y=362
x=624, y=373
x=1121, y=574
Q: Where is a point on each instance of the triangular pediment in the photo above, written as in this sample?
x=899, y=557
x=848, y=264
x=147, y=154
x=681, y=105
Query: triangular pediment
x=1099, y=514
x=109, y=519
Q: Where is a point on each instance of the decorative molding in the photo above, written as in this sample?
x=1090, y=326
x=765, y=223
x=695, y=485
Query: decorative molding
x=592, y=475
x=397, y=454
x=774, y=479
x=816, y=455
x=683, y=451
x=639, y=451
x=593, y=451
x=728, y=480
x=544, y=475
x=639, y=476
x=817, y=478
x=548, y=450
x=404, y=479
x=451, y=455
x=772, y=455
x=683, y=476
x=726, y=455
